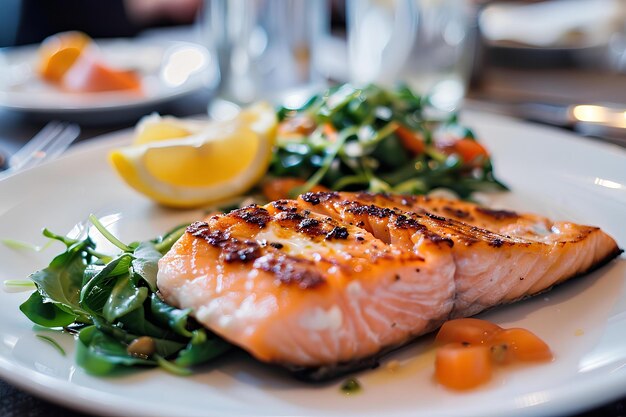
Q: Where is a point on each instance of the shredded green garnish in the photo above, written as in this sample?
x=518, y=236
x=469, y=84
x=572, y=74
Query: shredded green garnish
x=52, y=342
x=20, y=245
x=108, y=235
x=25, y=283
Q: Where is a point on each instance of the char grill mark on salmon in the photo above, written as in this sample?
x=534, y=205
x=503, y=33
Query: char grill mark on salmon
x=320, y=291
x=492, y=248
x=331, y=279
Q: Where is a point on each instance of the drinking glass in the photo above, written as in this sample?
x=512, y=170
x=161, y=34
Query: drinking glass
x=266, y=49
x=424, y=43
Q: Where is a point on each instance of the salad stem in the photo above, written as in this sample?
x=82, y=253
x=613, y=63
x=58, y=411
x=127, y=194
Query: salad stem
x=108, y=235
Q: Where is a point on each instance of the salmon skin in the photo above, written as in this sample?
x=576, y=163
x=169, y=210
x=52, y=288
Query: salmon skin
x=329, y=281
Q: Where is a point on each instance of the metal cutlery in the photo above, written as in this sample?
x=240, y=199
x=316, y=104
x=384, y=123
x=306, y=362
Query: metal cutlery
x=48, y=144
x=603, y=120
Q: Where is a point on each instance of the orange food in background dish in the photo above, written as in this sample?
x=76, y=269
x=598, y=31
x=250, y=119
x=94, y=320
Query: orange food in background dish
x=58, y=53
x=72, y=61
x=471, y=348
x=91, y=74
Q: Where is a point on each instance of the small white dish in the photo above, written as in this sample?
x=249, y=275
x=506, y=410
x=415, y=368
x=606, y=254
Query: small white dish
x=168, y=70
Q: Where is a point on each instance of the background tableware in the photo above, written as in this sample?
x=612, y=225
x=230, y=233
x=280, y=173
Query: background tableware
x=169, y=70
x=45, y=146
x=266, y=49
x=424, y=43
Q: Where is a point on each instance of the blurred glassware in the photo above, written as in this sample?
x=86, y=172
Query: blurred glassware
x=266, y=49
x=551, y=24
x=425, y=43
x=617, y=45
x=583, y=33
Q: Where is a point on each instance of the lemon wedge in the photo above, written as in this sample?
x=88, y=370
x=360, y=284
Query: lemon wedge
x=156, y=128
x=198, y=164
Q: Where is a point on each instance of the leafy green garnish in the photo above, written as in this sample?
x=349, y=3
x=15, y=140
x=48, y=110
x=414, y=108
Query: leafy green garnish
x=46, y=314
x=19, y=283
x=52, y=342
x=356, y=139
x=19, y=245
x=100, y=353
x=115, y=301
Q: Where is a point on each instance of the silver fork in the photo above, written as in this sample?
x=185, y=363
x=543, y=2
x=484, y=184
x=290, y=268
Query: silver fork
x=48, y=144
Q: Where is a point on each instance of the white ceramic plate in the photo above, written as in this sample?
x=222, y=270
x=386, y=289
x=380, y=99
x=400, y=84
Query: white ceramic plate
x=168, y=70
x=584, y=321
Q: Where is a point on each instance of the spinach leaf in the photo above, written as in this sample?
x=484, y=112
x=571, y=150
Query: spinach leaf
x=116, y=297
x=163, y=347
x=96, y=292
x=62, y=280
x=145, y=263
x=164, y=243
x=135, y=322
x=124, y=298
x=166, y=315
x=100, y=354
x=46, y=314
x=201, y=349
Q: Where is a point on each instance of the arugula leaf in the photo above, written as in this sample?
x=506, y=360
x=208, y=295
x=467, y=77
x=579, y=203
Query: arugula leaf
x=393, y=127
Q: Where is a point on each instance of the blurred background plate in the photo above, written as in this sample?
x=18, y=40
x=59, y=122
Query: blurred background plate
x=168, y=70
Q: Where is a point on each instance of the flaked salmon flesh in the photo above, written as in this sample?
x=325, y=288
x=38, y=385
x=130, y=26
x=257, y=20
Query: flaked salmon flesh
x=331, y=278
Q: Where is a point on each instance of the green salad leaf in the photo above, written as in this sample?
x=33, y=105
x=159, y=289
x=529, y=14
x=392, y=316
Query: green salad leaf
x=46, y=314
x=101, y=354
x=379, y=140
x=113, y=301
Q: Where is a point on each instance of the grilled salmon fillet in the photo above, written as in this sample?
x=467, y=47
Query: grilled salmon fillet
x=332, y=278
x=500, y=256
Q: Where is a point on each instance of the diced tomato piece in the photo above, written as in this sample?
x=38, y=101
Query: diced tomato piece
x=469, y=330
x=516, y=344
x=462, y=366
x=470, y=151
x=411, y=141
x=279, y=188
x=296, y=126
x=330, y=132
